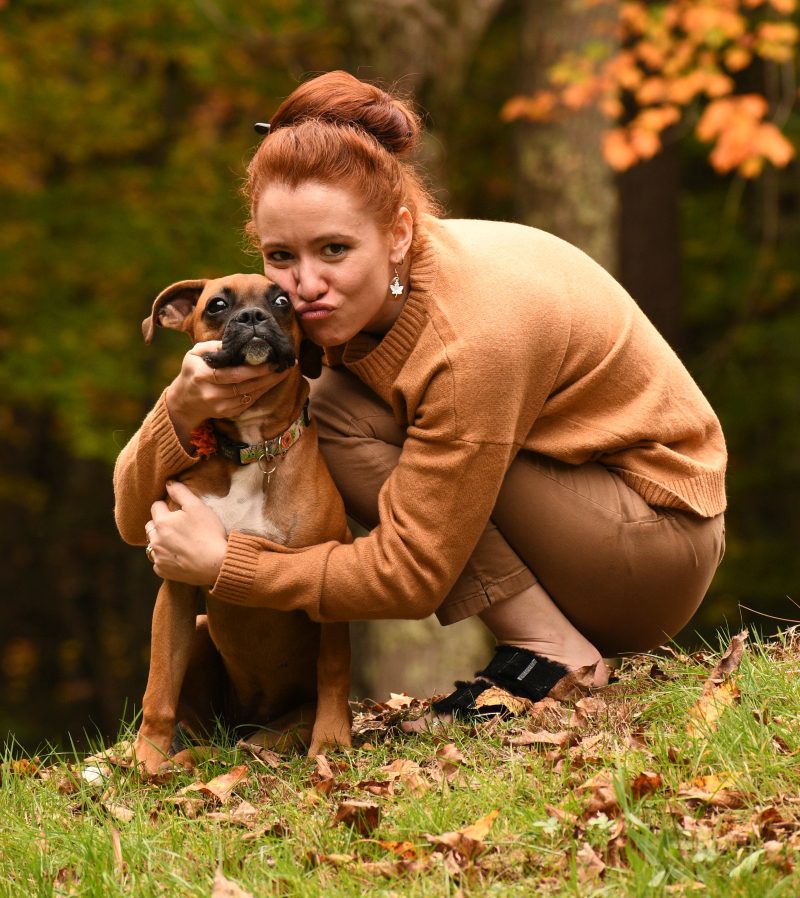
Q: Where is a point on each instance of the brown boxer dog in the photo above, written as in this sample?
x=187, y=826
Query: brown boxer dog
x=278, y=672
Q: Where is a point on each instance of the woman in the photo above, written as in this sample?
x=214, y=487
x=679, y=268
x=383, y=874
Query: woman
x=497, y=411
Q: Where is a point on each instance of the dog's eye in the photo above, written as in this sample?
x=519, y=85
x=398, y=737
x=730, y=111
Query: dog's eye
x=216, y=306
x=281, y=300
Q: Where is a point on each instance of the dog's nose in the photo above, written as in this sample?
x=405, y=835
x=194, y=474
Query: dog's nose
x=251, y=316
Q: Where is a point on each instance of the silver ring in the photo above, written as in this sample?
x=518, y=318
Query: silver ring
x=149, y=553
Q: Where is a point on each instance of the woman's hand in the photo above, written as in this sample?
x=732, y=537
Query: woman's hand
x=200, y=391
x=188, y=544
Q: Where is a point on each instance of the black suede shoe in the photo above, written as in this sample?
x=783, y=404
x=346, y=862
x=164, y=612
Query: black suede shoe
x=518, y=671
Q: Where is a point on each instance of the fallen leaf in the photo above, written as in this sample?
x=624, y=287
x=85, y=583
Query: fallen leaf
x=227, y=888
x=705, y=714
x=406, y=850
x=221, y=787
x=408, y=773
x=512, y=704
x=646, y=783
x=730, y=661
x=603, y=798
x=589, y=863
x=265, y=755
x=119, y=811
x=398, y=701
x=467, y=842
x=712, y=790
x=362, y=816
x=243, y=815
x=540, y=737
x=576, y=684
x=381, y=788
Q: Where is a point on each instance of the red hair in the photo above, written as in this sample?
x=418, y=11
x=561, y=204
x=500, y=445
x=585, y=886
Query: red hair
x=338, y=130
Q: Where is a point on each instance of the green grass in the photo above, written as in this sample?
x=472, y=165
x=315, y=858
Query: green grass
x=573, y=819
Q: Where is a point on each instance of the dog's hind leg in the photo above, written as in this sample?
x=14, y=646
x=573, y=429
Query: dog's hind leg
x=333, y=719
x=172, y=637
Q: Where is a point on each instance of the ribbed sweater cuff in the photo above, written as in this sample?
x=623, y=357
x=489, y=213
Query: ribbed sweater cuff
x=236, y=581
x=173, y=455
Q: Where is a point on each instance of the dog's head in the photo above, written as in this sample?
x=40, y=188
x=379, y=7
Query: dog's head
x=253, y=317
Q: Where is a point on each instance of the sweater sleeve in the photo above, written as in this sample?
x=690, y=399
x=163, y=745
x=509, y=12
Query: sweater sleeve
x=153, y=455
x=433, y=509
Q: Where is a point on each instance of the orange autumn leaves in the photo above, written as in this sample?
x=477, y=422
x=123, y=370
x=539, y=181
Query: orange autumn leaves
x=678, y=61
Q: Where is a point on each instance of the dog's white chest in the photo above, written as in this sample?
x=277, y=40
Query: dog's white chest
x=244, y=507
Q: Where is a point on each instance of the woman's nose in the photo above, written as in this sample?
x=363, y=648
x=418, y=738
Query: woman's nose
x=310, y=284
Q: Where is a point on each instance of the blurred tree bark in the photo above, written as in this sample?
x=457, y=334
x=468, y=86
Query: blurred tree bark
x=563, y=183
x=425, y=48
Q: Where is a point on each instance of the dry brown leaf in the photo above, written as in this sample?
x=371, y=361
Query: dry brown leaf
x=408, y=773
x=221, y=787
x=603, y=798
x=589, y=863
x=719, y=690
x=541, y=737
x=362, y=816
x=398, y=701
x=119, y=811
x=494, y=695
x=227, y=888
x=467, y=842
x=265, y=755
x=705, y=714
x=243, y=815
x=576, y=684
x=591, y=706
x=405, y=850
x=381, y=788
x=729, y=662
x=646, y=783
x=713, y=790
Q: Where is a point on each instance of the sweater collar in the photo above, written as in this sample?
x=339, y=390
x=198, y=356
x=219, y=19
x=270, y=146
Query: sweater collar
x=374, y=360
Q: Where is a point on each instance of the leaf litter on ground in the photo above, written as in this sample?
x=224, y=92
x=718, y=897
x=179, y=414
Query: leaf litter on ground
x=571, y=790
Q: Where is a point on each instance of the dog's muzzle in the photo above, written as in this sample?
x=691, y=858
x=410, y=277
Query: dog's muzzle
x=252, y=337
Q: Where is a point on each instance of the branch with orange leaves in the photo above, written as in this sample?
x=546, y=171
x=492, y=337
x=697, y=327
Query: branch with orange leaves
x=665, y=59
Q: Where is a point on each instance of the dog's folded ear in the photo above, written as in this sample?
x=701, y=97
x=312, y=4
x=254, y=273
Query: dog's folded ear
x=310, y=359
x=173, y=306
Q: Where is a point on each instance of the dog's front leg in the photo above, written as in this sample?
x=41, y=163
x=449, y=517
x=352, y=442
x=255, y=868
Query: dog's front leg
x=333, y=719
x=171, y=641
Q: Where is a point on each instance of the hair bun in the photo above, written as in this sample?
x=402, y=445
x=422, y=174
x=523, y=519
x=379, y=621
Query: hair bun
x=341, y=98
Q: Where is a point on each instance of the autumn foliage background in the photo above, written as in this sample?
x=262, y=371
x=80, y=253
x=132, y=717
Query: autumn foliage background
x=660, y=137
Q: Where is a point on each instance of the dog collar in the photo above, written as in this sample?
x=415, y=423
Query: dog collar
x=243, y=454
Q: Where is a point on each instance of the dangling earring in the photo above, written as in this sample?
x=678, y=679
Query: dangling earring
x=395, y=286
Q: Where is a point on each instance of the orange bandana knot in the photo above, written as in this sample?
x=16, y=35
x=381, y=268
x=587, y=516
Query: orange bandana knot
x=204, y=440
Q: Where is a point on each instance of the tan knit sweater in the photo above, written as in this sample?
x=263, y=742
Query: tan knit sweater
x=509, y=339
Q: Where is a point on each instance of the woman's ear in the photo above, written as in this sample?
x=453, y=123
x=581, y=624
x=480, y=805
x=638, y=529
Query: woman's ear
x=402, y=232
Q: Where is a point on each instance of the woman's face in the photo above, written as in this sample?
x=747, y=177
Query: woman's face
x=327, y=251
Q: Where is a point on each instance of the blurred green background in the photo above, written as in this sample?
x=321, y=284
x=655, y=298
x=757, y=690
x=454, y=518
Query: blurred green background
x=125, y=129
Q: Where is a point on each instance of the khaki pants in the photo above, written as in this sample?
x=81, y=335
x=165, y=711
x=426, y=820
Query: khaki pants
x=627, y=575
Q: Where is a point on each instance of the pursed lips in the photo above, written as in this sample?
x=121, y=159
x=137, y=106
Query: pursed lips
x=313, y=311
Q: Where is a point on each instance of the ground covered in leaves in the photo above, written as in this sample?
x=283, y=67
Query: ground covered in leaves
x=680, y=778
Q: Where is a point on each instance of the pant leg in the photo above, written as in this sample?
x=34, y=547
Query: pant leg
x=361, y=442
x=627, y=575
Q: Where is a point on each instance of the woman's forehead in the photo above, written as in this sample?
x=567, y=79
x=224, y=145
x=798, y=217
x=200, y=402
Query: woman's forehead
x=310, y=208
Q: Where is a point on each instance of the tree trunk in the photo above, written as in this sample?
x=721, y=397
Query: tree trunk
x=564, y=184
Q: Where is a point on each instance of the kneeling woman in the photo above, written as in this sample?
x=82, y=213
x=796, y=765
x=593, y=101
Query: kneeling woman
x=517, y=437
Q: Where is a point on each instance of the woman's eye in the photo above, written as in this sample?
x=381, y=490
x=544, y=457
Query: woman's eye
x=281, y=300
x=278, y=255
x=216, y=306
x=335, y=249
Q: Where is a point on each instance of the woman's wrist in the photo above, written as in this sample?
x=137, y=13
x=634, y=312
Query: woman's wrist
x=183, y=422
